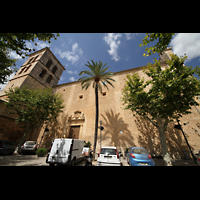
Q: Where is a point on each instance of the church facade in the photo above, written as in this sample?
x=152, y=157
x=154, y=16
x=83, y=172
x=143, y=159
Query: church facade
x=121, y=128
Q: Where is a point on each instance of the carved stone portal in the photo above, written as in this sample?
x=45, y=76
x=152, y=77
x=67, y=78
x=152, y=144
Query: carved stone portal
x=78, y=116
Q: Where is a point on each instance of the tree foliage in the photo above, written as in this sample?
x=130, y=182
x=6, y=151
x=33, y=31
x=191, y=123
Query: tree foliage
x=34, y=106
x=163, y=41
x=172, y=90
x=166, y=95
x=17, y=42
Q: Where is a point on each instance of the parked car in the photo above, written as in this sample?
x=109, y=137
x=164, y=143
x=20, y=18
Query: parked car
x=65, y=151
x=29, y=147
x=108, y=156
x=138, y=156
x=7, y=147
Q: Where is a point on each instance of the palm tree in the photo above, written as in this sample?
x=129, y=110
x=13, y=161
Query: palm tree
x=98, y=76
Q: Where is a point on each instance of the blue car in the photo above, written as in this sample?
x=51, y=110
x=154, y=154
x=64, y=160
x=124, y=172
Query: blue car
x=138, y=156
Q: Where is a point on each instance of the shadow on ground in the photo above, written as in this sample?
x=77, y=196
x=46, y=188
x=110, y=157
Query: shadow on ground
x=17, y=160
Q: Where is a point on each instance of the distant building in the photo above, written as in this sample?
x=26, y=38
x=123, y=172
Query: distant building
x=121, y=128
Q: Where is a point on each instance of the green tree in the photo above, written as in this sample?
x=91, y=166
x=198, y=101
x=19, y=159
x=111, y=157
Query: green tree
x=17, y=42
x=163, y=41
x=168, y=94
x=33, y=107
x=98, y=76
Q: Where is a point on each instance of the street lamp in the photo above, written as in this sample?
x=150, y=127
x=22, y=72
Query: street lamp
x=101, y=128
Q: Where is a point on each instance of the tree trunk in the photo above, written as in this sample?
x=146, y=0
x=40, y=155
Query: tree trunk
x=161, y=128
x=26, y=132
x=97, y=119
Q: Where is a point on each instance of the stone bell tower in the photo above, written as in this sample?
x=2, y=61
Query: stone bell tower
x=166, y=54
x=42, y=69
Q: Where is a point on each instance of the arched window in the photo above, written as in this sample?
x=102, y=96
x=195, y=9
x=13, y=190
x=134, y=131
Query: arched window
x=27, y=68
x=48, y=63
x=54, y=69
x=30, y=60
x=22, y=70
x=49, y=79
x=35, y=58
x=42, y=73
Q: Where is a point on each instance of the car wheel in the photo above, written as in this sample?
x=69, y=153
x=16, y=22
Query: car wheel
x=128, y=161
x=73, y=162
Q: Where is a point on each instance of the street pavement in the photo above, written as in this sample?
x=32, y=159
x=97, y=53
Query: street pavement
x=33, y=160
x=22, y=160
x=25, y=160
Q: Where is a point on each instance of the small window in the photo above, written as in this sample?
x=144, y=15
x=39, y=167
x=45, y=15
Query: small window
x=30, y=60
x=49, y=79
x=103, y=93
x=21, y=70
x=42, y=73
x=27, y=68
x=54, y=69
x=35, y=58
x=48, y=63
x=80, y=96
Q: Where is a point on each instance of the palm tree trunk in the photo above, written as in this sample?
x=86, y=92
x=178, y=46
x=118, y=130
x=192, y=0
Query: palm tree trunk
x=97, y=119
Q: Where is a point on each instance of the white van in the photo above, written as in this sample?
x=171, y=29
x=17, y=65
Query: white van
x=65, y=151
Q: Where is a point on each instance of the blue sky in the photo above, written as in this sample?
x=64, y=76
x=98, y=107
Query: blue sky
x=120, y=51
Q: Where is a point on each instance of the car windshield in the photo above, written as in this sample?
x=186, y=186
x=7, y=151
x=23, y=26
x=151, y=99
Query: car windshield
x=108, y=151
x=30, y=143
x=139, y=151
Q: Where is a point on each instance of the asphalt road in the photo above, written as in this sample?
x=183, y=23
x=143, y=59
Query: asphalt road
x=25, y=160
x=33, y=160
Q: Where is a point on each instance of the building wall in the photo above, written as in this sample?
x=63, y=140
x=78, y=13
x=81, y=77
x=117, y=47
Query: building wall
x=121, y=128
x=29, y=75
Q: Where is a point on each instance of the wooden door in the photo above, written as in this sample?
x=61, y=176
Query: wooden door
x=74, y=132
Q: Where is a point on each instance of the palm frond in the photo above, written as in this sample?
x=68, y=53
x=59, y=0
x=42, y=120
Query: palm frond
x=98, y=74
x=109, y=83
x=104, y=84
x=88, y=72
x=86, y=85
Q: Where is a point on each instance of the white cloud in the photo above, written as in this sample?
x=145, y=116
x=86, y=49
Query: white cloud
x=188, y=43
x=111, y=40
x=62, y=78
x=71, y=72
x=72, y=78
x=14, y=55
x=73, y=55
x=130, y=35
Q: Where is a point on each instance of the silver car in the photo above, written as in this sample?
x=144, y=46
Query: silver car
x=29, y=147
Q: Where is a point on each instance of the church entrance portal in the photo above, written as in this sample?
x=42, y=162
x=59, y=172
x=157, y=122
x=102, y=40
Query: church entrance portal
x=74, y=132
